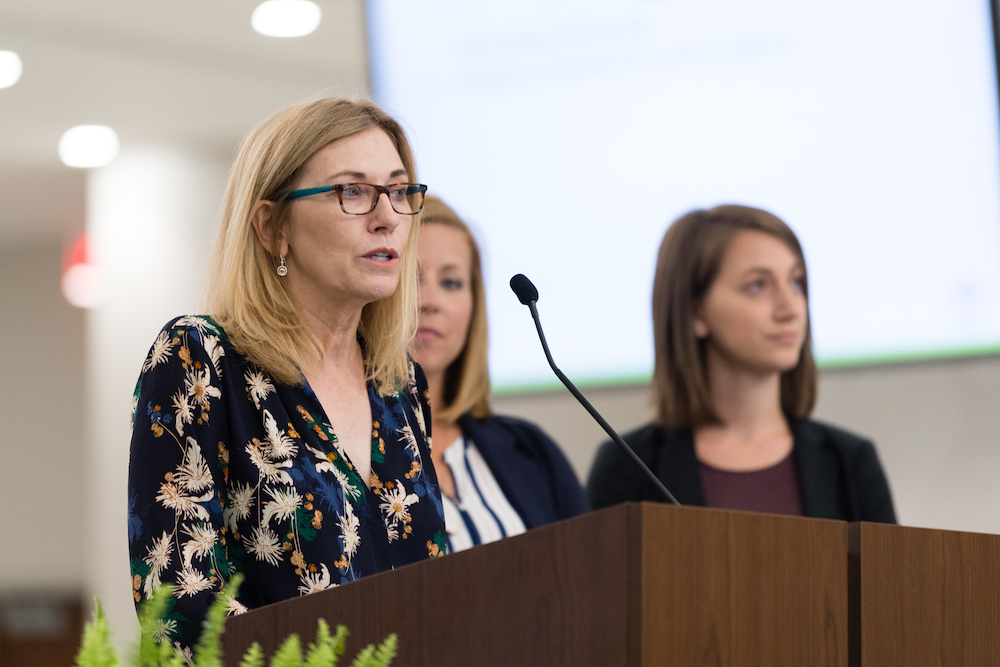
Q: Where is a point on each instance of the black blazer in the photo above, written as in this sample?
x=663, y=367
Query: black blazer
x=529, y=467
x=839, y=473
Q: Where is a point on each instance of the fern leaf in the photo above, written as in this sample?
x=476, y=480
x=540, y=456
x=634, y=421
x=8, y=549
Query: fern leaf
x=254, y=657
x=321, y=653
x=151, y=614
x=289, y=655
x=175, y=659
x=167, y=653
x=339, y=642
x=208, y=652
x=96, y=649
x=381, y=657
x=320, y=656
x=386, y=651
x=364, y=658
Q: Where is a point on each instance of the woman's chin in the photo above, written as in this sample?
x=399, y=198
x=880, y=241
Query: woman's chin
x=766, y=366
x=787, y=364
x=419, y=355
x=377, y=292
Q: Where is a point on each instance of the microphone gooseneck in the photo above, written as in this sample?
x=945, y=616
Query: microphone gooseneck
x=528, y=295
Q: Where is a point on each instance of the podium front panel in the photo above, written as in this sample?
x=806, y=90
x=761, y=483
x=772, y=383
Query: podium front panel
x=924, y=597
x=742, y=588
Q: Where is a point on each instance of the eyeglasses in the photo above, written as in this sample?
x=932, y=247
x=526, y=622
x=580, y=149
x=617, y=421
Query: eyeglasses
x=362, y=198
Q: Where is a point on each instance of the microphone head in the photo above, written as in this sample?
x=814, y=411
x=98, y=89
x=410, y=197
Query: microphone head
x=523, y=288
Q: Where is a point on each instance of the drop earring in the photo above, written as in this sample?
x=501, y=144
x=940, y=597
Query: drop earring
x=282, y=270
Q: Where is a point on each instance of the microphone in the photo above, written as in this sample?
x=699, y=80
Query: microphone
x=528, y=295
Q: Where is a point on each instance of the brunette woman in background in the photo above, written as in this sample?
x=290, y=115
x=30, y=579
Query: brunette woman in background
x=735, y=382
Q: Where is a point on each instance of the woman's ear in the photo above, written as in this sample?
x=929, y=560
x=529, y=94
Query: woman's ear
x=698, y=319
x=269, y=233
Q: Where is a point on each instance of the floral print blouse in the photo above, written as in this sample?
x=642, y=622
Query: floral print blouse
x=230, y=471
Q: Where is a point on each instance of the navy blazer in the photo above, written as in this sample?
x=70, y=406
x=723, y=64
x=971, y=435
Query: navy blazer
x=839, y=474
x=529, y=467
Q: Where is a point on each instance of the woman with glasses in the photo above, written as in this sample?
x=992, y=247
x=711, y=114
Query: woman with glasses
x=499, y=475
x=735, y=381
x=284, y=435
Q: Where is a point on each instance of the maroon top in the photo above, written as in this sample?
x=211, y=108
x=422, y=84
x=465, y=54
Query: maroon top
x=774, y=489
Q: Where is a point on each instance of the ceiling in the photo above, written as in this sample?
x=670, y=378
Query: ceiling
x=188, y=72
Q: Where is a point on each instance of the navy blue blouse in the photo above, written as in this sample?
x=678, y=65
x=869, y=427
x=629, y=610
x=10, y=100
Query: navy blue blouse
x=231, y=471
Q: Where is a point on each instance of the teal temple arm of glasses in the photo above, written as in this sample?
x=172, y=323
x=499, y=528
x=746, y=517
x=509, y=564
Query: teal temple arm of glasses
x=309, y=191
x=412, y=190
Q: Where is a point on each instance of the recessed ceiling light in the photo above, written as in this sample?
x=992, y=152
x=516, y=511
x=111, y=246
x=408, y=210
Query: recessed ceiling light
x=286, y=18
x=88, y=146
x=10, y=68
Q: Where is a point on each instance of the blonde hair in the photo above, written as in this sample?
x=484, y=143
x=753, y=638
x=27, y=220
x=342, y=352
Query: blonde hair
x=689, y=260
x=467, y=379
x=246, y=296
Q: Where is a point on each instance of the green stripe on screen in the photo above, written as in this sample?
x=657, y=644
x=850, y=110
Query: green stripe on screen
x=903, y=357
x=826, y=363
x=556, y=385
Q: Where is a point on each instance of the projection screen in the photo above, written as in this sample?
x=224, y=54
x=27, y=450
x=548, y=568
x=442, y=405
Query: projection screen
x=570, y=134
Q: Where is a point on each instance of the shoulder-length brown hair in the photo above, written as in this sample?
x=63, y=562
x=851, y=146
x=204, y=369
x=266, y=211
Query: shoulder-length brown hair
x=247, y=297
x=689, y=260
x=467, y=379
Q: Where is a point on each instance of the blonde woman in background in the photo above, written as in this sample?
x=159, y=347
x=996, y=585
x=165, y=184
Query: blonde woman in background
x=735, y=381
x=284, y=435
x=499, y=475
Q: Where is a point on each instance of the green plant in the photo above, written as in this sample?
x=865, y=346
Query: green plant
x=155, y=650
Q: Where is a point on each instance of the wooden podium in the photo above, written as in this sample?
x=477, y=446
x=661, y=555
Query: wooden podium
x=923, y=597
x=637, y=584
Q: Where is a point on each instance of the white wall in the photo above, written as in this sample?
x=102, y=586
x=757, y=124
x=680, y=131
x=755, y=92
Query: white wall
x=42, y=431
x=937, y=429
x=936, y=426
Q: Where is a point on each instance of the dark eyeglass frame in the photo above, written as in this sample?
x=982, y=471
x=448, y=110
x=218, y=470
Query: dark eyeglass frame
x=411, y=189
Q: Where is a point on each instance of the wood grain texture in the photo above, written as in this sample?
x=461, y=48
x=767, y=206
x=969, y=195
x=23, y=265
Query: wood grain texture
x=636, y=584
x=557, y=595
x=743, y=589
x=926, y=597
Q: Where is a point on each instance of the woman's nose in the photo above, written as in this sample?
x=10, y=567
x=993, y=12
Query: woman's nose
x=784, y=304
x=428, y=296
x=383, y=218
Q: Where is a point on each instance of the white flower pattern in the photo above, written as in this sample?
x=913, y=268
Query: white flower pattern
x=191, y=582
x=283, y=504
x=395, y=506
x=183, y=411
x=215, y=352
x=202, y=542
x=193, y=474
x=199, y=386
x=313, y=582
x=349, y=531
x=160, y=351
x=241, y=501
x=282, y=446
x=258, y=386
x=265, y=546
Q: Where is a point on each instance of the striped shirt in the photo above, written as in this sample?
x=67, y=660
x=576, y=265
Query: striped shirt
x=480, y=512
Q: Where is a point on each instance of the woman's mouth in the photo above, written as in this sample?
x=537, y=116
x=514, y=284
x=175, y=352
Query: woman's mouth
x=382, y=255
x=425, y=334
x=786, y=337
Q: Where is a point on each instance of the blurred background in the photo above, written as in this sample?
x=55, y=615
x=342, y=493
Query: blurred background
x=180, y=84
